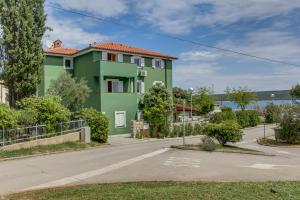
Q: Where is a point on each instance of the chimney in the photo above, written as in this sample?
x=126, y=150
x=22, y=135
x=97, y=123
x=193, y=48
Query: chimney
x=57, y=44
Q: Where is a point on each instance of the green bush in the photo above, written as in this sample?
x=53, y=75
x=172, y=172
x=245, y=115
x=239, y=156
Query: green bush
x=226, y=109
x=189, y=129
x=197, y=129
x=177, y=131
x=227, y=131
x=208, y=144
x=289, y=130
x=27, y=117
x=273, y=113
x=98, y=123
x=7, y=117
x=247, y=118
x=48, y=110
x=223, y=116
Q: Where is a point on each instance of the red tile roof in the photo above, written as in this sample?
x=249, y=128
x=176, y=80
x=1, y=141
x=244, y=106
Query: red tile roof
x=114, y=46
x=63, y=51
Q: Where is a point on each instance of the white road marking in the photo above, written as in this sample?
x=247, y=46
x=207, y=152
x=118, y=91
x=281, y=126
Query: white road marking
x=182, y=162
x=266, y=166
x=97, y=172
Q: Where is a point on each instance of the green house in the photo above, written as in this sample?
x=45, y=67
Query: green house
x=117, y=74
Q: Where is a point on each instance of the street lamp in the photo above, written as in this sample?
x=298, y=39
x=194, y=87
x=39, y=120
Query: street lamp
x=272, y=97
x=192, y=89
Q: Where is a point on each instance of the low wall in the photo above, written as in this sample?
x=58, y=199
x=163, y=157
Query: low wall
x=70, y=137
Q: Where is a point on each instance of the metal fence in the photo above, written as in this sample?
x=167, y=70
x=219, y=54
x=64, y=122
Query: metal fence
x=18, y=135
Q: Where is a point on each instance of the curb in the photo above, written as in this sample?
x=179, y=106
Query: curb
x=274, y=145
x=53, y=153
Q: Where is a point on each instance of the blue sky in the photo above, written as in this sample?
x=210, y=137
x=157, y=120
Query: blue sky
x=267, y=28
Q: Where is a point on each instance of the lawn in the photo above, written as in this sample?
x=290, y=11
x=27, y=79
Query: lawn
x=46, y=149
x=169, y=190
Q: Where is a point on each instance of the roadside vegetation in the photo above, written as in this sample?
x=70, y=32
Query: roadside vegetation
x=168, y=190
x=53, y=148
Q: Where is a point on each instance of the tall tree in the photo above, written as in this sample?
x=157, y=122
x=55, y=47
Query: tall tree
x=204, y=101
x=73, y=92
x=295, y=92
x=23, y=24
x=241, y=96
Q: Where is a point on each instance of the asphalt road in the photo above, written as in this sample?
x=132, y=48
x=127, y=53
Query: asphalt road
x=150, y=160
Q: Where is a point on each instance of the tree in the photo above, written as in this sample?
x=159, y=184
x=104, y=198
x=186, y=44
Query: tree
x=179, y=94
x=23, y=24
x=73, y=92
x=241, y=96
x=295, y=92
x=204, y=101
x=157, y=108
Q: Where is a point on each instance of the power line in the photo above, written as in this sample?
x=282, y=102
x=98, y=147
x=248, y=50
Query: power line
x=175, y=37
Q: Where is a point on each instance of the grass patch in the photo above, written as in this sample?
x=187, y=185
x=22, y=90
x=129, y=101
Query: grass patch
x=46, y=149
x=272, y=142
x=168, y=190
x=219, y=148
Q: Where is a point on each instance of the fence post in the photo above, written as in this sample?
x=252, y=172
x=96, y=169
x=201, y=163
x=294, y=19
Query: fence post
x=61, y=128
x=36, y=132
x=3, y=140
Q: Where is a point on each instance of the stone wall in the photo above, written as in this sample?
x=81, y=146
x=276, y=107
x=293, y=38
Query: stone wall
x=70, y=137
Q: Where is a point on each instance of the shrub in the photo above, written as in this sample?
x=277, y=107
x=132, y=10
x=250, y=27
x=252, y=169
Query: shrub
x=247, y=118
x=7, y=117
x=49, y=111
x=223, y=116
x=226, y=109
x=228, y=131
x=254, y=119
x=98, y=123
x=273, y=113
x=242, y=118
x=289, y=130
x=208, y=144
x=197, y=129
x=27, y=117
x=189, y=129
x=177, y=131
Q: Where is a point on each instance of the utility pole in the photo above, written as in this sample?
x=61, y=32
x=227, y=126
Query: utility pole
x=183, y=137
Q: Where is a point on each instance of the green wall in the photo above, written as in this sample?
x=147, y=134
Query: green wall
x=112, y=102
x=88, y=67
x=52, y=68
x=94, y=71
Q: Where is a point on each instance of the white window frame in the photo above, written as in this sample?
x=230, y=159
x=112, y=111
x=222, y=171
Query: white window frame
x=142, y=61
x=161, y=61
x=71, y=63
x=120, y=85
x=119, y=112
x=141, y=86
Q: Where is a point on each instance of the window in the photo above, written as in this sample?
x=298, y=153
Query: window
x=139, y=61
x=68, y=63
x=120, y=119
x=114, y=86
x=140, y=87
x=111, y=57
x=158, y=63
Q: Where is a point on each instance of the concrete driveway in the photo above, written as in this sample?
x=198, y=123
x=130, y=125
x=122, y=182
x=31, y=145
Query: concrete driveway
x=150, y=160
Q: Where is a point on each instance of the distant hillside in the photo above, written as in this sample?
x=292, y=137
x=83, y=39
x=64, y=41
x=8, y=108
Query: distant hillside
x=262, y=95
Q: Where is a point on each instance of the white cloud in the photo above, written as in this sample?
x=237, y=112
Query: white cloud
x=267, y=43
x=104, y=8
x=70, y=31
x=193, y=56
x=179, y=17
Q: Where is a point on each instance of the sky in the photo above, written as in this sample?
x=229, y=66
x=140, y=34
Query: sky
x=266, y=28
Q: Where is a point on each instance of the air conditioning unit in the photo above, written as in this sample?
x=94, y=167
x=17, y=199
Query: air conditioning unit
x=143, y=73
